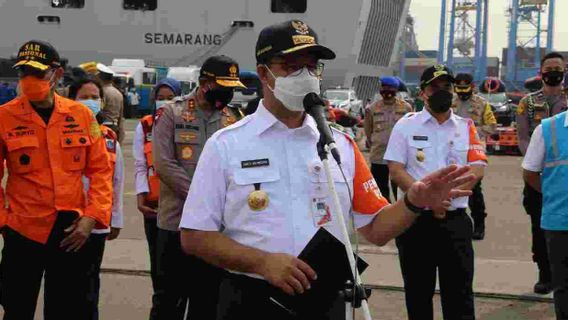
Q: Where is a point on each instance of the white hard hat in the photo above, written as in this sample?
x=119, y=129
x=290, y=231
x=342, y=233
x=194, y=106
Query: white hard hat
x=104, y=69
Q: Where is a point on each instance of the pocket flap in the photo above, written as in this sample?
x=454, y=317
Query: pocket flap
x=419, y=144
x=26, y=142
x=248, y=176
x=75, y=141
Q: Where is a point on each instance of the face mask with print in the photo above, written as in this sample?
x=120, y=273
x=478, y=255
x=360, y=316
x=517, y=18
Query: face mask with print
x=94, y=105
x=553, y=78
x=291, y=90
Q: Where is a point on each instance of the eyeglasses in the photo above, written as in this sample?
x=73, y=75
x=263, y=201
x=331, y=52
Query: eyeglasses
x=29, y=71
x=294, y=70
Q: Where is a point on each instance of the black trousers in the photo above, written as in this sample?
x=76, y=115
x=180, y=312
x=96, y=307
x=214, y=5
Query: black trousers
x=184, y=279
x=95, y=249
x=477, y=204
x=557, y=243
x=381, y=174
x=431, y=245
x=151, y=231
x=66, y=276
x=532, y=201
x=243, y=297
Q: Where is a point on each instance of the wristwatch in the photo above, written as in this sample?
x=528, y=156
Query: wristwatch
x=414, y=209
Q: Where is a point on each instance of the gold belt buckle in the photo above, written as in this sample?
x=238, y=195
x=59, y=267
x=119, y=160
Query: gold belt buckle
x=439, y=215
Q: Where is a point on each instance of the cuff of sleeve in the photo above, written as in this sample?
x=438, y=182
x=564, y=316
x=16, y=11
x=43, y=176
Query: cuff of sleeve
x=102, y=219
x=362, y=220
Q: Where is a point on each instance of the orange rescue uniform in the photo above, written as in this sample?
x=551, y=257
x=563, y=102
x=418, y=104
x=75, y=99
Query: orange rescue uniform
x=46, y=164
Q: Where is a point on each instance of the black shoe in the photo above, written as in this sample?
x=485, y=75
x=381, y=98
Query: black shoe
x=479, y=231
x=544, y=284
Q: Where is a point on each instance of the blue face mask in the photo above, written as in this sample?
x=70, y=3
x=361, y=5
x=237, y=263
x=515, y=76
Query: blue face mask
x=94, y=105
x=161, y=103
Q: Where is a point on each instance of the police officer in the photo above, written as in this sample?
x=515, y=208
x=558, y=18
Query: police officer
x=380, y=118
x=531, y=111
x=440, y=239
x=146, y=180
x=49, y=143
x=259, y=192
x=114, y=103
x=179, y=134
x=469, y=105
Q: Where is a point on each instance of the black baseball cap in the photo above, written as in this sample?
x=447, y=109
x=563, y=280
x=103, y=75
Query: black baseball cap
x=223, y=69
x=288, y=37
x=37, y=54
x=464, y=79
x=434, y=72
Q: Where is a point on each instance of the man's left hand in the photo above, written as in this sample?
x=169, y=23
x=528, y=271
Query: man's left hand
x=114, y=232
x=79, y=233
x=435, y=189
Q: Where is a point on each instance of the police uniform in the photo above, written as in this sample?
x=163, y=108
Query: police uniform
x=437, y=244
x=263, y=185
x=147, y=181
x=380, y=119
x=180, y=131
x=477, y=109
x=47, y=152
x=532, y=109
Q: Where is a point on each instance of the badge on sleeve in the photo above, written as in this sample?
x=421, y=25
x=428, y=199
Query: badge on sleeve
x=258, y=199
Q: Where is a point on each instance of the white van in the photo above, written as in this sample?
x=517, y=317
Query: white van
x=188, y=76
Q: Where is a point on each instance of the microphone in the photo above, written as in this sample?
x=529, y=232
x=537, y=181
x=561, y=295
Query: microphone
x=313, y=105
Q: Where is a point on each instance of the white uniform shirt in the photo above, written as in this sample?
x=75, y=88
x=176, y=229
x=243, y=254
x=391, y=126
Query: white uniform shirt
x=140, y=164
x=534, y=158
x=288, y=169
x=420, y=135
x=117, y=216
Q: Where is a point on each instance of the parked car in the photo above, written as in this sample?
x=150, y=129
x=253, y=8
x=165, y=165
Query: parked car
x=345, y=99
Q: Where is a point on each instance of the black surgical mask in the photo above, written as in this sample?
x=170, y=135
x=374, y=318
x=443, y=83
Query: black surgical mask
x=388, y=94
x=553, y=78
x=219, y=98
x=465, y=96
x=441, y=101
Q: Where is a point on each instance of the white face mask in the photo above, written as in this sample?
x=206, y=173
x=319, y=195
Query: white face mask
x=94, y=105
x=161, y=103
x=291, y=90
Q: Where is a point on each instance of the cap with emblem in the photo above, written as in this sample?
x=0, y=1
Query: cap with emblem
x=223, y=69
x=288, y=37
x=435, y=72
x=37, y=54
x=463, y=83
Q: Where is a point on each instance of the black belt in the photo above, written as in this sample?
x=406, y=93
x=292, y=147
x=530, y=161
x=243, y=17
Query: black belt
x=430, y=213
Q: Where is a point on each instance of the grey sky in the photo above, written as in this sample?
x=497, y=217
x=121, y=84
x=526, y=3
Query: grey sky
x=427, y=22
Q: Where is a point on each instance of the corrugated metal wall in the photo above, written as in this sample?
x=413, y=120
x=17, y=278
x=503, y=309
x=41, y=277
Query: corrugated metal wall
x=366, y=87
x=380, y=34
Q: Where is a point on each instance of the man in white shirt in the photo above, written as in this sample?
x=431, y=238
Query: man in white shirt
x=260, y=193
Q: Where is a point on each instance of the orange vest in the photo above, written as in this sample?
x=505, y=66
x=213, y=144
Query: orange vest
x=46, y=164
x=110, y=141
x=151, y=174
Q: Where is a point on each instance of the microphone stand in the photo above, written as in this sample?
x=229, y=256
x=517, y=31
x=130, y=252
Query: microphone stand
x=353, y=298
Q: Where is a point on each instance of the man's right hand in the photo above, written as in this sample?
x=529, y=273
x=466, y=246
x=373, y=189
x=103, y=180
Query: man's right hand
x=148, y=212
x=287, y=272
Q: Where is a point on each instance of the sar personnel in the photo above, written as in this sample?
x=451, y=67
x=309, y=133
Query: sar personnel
x=259, y=192
x=146, y=180
x=380, y=118
x=440, y=240
x=49, y=143
x=532, y=109
x=179, y=134
x=469, y=105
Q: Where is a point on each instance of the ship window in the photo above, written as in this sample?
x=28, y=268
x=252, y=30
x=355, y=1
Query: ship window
x=288, y=6
x=66, y=4
x=140, y=5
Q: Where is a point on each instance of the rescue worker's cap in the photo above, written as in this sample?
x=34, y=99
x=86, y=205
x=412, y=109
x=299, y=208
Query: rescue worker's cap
x=223, y=69
x=104, y=69
x=38, y=54
x=463, y=83
x=288, y=37
x=434, y=72
x=390, y=82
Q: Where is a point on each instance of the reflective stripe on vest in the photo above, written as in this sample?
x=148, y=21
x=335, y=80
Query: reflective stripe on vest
x=555, y=173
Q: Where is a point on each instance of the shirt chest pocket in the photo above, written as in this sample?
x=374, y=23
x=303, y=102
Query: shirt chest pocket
x=319, y=187
x=74, y=152
x=420, y=152
x=23, y=155
x=458, y=152
x=256, y=188
x=188, y=147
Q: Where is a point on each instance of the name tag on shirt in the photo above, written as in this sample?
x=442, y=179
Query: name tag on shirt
x=420, y=138
x=255, y=163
